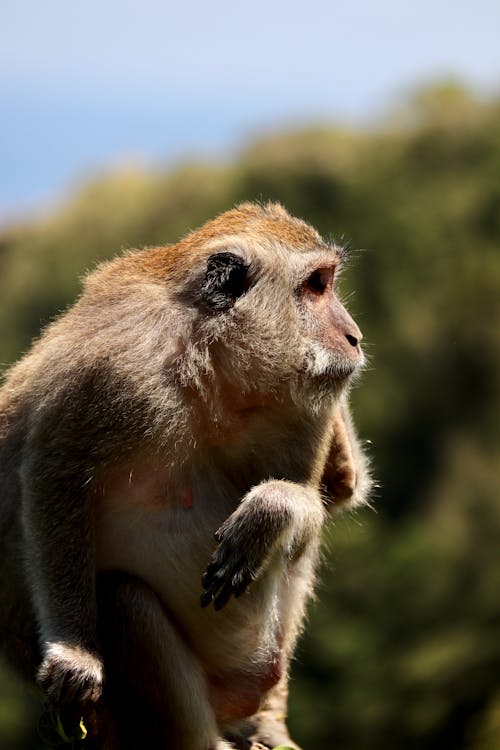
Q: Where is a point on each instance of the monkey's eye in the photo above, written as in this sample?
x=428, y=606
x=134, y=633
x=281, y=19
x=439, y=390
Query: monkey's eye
x=225, y=281
x=319, y=281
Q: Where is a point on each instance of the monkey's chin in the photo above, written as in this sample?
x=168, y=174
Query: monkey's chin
x=330, y=384
x=324, y=386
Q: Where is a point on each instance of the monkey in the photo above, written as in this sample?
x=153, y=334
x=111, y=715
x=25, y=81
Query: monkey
x=170, y=449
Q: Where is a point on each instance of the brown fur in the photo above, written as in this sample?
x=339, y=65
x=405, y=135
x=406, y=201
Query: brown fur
x=172, y=401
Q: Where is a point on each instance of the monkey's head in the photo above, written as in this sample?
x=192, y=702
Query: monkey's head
x=265, y=313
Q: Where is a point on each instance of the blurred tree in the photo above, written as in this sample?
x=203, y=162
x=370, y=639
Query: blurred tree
x=403, y=649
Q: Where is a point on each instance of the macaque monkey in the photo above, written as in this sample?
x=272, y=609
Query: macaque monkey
x=169, y=450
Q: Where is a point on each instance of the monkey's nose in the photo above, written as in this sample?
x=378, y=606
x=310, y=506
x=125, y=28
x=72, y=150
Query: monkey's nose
x=355, y=337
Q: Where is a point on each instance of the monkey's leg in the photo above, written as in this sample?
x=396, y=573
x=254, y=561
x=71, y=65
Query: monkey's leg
x=156, y=688
x=267, y=728
x=274, y=518
x=270, y=721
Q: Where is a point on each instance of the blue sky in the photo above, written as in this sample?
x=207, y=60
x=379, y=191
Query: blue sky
x=88, y=85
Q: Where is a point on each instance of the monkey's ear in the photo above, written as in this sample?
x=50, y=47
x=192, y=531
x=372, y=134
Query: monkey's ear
x=225, y=280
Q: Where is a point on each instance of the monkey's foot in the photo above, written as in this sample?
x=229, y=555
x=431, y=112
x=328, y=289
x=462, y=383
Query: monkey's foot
x=241, y=742
x=267, y=729
x=70, y=675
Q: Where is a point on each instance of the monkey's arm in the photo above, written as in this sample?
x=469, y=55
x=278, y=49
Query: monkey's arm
x=59, y=544
x=275, y=517
x=346, y=478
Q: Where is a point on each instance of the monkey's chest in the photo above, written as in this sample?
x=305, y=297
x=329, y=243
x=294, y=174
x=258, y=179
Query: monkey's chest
x=165, y=537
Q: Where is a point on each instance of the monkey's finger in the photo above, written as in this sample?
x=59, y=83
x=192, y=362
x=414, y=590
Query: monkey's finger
x=209, y=594
x=213, y=577
x=240, y=584
x=206, y=598
x=220, y=533
x=223, y=596
x=208, y=575
x=69, y=687
x=212, y=583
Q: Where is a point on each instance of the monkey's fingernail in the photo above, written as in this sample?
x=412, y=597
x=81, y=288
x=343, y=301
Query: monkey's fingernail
x=206, y=598
x=223, y=597
x=220, y=602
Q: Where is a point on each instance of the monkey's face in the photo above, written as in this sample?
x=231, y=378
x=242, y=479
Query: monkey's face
x=333, y=349
x=272, y=318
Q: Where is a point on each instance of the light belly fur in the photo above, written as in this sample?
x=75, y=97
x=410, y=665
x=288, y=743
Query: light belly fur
x=145, y=529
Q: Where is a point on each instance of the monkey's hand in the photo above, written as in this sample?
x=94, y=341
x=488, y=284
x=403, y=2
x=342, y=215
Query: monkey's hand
x=346, y=477
x=70, y=675
x=275, y=516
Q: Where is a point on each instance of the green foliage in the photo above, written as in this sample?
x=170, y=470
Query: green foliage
x=405, y=642
x=402, y=650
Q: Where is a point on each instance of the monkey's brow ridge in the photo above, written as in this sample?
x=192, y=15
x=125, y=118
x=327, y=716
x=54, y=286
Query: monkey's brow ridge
x=342, y=249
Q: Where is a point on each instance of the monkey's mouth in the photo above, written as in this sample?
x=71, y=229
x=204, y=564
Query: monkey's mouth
x=339, y=370
x=323, y=366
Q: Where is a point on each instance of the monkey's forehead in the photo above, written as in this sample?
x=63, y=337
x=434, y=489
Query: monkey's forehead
x=290, y=246
x=256, y=222
x=264, y=235
x=295, y=234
